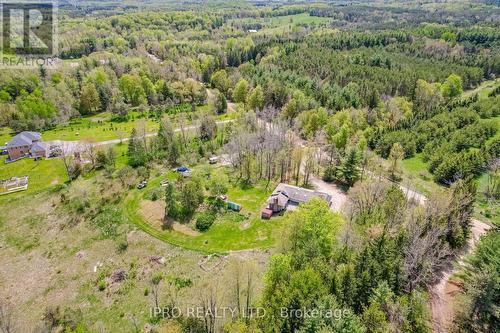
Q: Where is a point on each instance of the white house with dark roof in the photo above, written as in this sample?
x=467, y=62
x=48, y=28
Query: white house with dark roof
x=26, y=144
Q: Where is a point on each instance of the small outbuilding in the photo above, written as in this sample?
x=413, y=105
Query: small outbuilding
x=266, y=213
x=233, y=206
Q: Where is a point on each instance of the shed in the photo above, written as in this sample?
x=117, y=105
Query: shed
x=233, y=206
x=266, y=213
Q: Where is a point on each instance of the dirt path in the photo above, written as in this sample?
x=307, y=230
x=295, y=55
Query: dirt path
x=442, y=293
x=70, y=147
x=187, y=128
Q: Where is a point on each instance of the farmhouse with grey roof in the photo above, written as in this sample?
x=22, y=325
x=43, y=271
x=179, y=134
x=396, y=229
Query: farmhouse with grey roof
x=26, y=144
x=285, y=194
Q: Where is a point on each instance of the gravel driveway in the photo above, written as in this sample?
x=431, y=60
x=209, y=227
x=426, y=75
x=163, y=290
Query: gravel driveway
x=339, y=198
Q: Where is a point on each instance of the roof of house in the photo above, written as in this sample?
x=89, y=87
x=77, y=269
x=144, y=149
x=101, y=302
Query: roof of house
x=39, y=146
x=278, y=197
x=24, y=139
x=300, y=194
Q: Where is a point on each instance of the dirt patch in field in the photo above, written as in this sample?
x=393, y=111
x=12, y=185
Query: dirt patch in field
x=153, y=212
x=185, y=229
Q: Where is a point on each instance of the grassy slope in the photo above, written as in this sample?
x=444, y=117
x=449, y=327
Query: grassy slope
x=40, y=267
x=484, y=89
x=486, y=210
x=415, y=171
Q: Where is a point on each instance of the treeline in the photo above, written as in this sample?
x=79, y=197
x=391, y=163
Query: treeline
x=98, y=84
x=373, y=269
x=457, y=143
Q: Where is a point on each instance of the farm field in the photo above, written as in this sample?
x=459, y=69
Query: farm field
x=277, y=23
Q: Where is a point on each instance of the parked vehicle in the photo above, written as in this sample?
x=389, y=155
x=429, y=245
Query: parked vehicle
x=182, y=169
x=142, y=184
x=213, y=159
x=164, y=183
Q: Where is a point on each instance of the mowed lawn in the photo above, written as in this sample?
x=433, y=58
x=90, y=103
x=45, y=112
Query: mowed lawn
x=99, y=127
x=231, y=231
x=282, y=21
x=42, y=174
x=415, y=171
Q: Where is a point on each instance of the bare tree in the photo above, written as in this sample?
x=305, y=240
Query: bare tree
x=71, y=164
x=208, y=300
x=90, y=149
x=309, y=163
x=6, y=321
x=425, y=253
x=364, y=196
x=155, y=289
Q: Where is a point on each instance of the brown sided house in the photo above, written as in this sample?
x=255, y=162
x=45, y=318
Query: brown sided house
x=26, y=144
x=285, y=195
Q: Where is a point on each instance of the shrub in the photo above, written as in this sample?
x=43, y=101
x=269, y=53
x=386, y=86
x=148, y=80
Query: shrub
x=329, y=174
x=205, y=221
x=154, y=194
x=122, y=245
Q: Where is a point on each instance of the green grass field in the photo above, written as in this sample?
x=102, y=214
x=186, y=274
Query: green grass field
x=231, y=231
x=277, y=23
x=99, y=127
x=43, y=174
x=486, y=210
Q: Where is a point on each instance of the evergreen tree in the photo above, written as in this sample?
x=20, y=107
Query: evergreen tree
x=136, y=152
x=167, y=144
x=220, y=103
x=170, y=206
x=349, y=170
x=461, y=209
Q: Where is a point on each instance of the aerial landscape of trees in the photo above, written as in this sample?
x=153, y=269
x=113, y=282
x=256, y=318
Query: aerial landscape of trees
x=180, y=112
